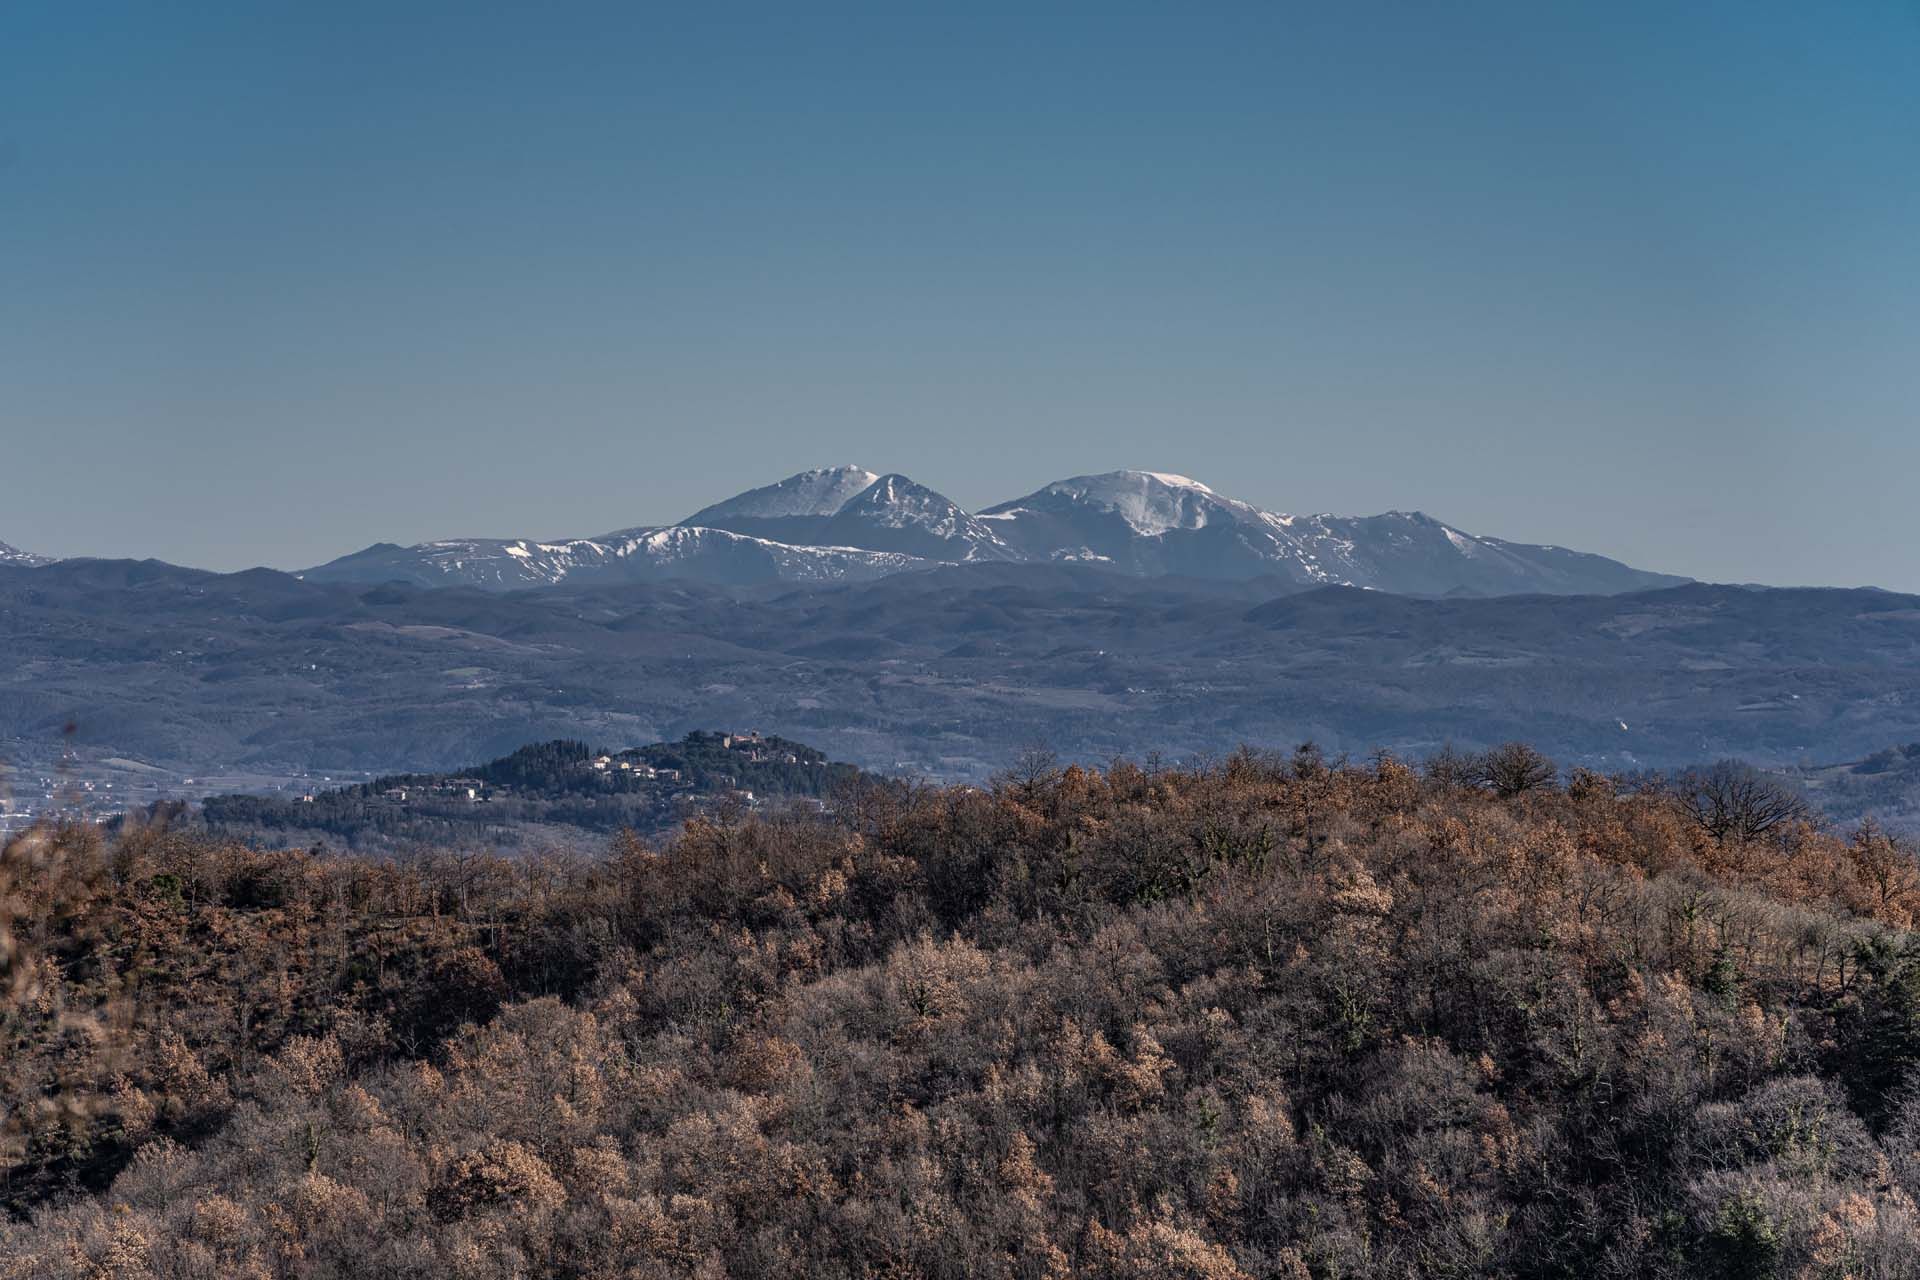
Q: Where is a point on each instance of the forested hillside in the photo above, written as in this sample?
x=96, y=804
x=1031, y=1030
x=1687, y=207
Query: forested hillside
x=542, y=794
x=1277, y=1017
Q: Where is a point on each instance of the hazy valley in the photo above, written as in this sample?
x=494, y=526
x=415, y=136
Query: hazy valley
x=945, y=672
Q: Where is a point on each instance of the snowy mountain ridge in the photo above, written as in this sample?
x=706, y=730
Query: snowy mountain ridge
x=630, y=555
x=846, y=523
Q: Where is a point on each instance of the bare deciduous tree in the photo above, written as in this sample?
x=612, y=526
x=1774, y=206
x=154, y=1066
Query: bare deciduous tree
x=1514, y=768
x=1735, y=802
x=1450, y=767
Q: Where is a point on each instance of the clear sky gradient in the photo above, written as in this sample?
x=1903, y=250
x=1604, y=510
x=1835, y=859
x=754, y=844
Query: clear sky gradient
x=278, y=280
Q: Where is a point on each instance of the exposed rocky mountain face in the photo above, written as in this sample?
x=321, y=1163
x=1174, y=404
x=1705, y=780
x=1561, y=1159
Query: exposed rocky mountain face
x=846, y=523
x=15, y=556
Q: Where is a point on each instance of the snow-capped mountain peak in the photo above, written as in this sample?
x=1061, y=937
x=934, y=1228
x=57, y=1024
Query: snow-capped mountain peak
x=1158, y=522
x=1150, y=502
x=900, y=514
x=889, y=513
x=821, y=492
x=1152, y=522
x=848, y=523
x=1173, y=481
x=894, y=500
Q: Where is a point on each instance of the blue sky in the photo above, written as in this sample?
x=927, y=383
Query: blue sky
x=279, y=280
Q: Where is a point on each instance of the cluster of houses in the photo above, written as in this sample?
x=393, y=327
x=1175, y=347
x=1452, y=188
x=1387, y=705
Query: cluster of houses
x=440, y=789
x=752, y=747
x=85, y=798
x=479, y=790
x=756, y=749
x=638, y=768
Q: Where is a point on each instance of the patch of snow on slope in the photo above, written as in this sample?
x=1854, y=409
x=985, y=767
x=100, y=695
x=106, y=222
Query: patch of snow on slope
x=1151, y=503
x=1176, y=482
x=821, y=492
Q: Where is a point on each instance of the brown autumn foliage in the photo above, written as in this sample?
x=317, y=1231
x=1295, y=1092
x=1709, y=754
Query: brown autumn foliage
x=1271, y=1018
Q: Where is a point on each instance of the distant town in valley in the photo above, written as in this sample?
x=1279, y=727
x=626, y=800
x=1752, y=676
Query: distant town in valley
x=97, y=787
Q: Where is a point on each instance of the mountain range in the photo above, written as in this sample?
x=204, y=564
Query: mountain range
x=848, y=524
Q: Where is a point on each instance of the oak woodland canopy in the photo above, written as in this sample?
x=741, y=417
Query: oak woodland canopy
x=1279, y=1016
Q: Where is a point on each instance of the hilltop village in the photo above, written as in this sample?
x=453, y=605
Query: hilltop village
x=542, y=791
